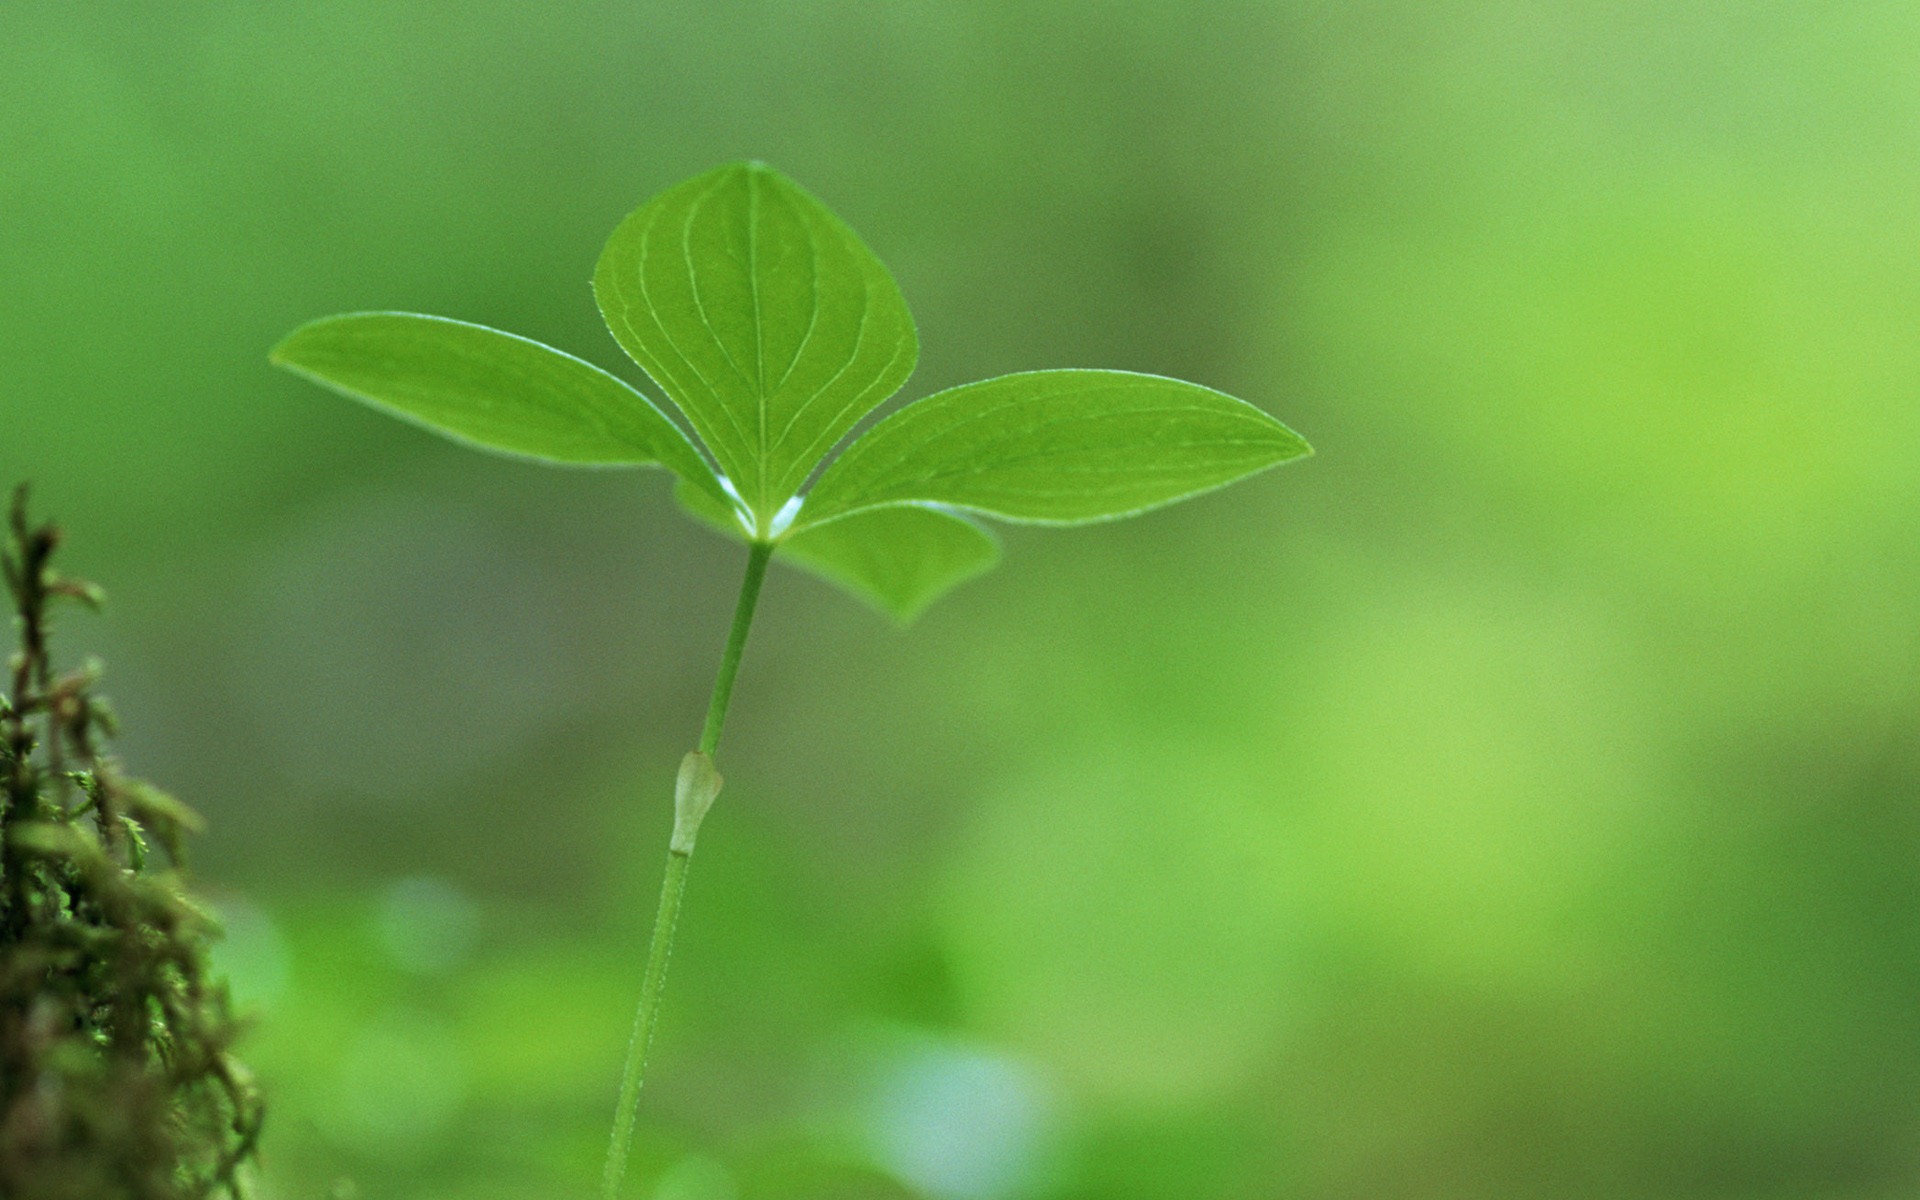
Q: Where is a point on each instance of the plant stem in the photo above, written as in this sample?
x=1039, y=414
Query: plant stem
x=644, y=1020
x=679, y=858
x=757, y=559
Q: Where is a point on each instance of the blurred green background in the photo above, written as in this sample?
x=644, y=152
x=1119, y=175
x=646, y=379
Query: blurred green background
x=1517, y=799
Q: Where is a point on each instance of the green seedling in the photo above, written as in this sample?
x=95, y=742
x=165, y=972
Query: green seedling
x=774, y=330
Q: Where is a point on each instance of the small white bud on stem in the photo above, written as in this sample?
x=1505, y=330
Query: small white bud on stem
x=693, y=795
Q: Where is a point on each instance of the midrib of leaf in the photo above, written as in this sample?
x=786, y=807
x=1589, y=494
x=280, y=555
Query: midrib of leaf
x=592, y=415
x=1255, y=416
x=960, y=426
x=771, y=493
x=1135, y=469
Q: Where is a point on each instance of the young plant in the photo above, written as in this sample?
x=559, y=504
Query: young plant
x=774, y=330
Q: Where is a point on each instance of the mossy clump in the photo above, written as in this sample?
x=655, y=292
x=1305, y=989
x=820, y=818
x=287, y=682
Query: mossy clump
x=117, y=1077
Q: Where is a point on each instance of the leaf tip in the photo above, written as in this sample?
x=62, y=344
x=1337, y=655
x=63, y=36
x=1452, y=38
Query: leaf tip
x=280, y=354
x=286, y=351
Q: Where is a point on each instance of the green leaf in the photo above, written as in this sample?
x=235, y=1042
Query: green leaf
x=763, y=316
x=1054, y=447
x=899, y=560
x=492, y=390
x=716, y=513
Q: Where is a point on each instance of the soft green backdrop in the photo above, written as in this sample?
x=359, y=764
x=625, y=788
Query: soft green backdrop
x=1519, y=799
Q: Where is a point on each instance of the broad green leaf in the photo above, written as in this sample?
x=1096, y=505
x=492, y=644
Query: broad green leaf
x=491, y=389
x=1054, y=447
x=898, y=559
x=763, y=316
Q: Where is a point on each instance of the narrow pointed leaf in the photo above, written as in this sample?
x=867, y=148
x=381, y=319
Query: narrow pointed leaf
x=491, y=389
x=1054, y=447
x=899, y=560
x=762, y=315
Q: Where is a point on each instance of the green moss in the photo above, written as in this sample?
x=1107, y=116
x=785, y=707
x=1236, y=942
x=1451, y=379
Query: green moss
x=116, y=1072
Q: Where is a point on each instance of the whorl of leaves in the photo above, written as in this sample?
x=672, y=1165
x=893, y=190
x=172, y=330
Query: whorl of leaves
x=116, y=1076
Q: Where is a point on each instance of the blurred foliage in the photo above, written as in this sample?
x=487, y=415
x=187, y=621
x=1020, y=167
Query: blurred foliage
x=1518, y=799
x=116, y=1077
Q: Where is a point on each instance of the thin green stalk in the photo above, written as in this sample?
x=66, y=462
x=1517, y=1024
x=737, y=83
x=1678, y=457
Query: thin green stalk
x=757, y=560
x=697, y=786
x=643, y=1022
